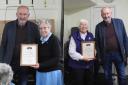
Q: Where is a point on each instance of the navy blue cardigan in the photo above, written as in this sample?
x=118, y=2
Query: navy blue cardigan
x=50, y=55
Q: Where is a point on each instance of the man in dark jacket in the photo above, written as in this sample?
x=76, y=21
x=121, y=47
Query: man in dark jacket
x=112, y=45
x=17, y=32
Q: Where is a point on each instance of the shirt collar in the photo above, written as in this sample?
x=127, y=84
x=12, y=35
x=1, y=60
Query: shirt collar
x=83, y=35
x=45, y=39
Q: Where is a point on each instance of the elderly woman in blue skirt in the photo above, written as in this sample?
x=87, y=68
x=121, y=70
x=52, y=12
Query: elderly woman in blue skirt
x=48, y=66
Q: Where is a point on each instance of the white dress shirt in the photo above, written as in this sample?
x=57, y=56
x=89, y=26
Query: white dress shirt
x=72, y=48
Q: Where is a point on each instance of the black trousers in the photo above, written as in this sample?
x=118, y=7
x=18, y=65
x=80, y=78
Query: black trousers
x=83, y=76
x=21, y=75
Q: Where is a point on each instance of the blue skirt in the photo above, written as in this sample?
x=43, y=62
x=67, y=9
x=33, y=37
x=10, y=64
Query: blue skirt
x=49, y=78
x=12, y=84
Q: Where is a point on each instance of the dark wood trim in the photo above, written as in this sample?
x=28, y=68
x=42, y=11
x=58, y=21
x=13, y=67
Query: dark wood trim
x=62, y=22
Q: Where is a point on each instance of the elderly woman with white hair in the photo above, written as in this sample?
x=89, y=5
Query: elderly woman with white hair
x=6, y=74
x=82, y=67
x=48, y=66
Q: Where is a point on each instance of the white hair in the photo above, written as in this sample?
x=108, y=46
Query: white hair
x=6, y=73
x=84, y=20
x=45, y=21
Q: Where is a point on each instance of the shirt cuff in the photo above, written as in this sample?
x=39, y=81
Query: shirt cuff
x=81, y=58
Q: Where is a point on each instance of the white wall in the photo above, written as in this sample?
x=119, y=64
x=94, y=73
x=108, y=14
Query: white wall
x=73, y=18
x=51, y=11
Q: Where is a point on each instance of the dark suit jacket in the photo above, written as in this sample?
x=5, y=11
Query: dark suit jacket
x=121, y=37
x=9, y=35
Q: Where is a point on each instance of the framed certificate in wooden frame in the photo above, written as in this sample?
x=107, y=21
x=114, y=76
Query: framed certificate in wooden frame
x=29, y=54
x=88, y=49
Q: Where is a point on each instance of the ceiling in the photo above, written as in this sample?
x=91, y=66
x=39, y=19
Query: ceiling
x=71, y=5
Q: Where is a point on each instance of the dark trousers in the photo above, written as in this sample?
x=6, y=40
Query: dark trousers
x=96, y=72
x=115, y=58
x=82, y=76
x=21, y=75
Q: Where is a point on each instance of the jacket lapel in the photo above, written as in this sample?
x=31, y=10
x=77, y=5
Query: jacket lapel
x=103, y=31
x=29, y=31
x=13, y=32
x=116, y=29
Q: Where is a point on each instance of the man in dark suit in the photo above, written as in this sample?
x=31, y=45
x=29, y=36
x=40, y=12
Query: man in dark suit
x=112, y=45
x=17, y=32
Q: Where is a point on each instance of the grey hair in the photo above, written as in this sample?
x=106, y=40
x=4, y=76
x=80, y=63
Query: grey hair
x=107, y=7
x=45, y=21
x=6, y=73
x=22, y=6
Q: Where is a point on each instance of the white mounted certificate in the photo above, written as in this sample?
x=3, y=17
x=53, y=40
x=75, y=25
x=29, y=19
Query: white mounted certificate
x=29, y=54
x=88, y=49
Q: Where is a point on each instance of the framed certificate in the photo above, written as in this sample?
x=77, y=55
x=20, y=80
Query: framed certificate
x=88, y=49
x=29, y=54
